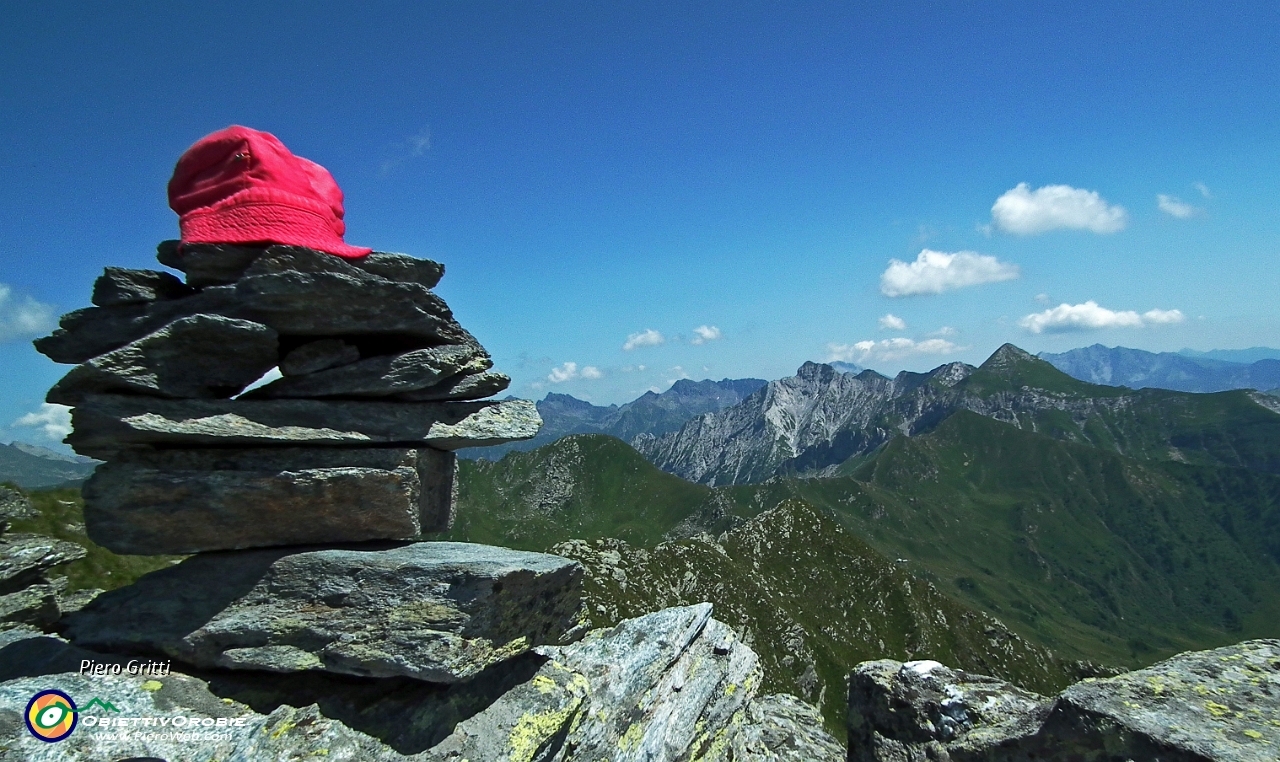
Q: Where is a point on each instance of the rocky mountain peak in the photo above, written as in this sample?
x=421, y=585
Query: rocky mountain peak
x=1008, y=358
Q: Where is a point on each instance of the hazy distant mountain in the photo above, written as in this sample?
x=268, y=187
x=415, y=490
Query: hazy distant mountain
x=650, y=414
x=1250, y=355
x=815, y=422
x=34, y=467
x=1203, y=372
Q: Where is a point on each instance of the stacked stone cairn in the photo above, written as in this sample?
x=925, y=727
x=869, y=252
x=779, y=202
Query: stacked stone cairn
x=308, y=615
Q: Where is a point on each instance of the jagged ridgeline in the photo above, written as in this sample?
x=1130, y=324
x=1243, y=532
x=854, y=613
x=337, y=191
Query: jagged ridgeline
x=1094, y=523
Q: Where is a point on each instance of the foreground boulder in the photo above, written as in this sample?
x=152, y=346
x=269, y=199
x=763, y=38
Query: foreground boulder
x=673, y=685
x=1220, y=705
x=437, y=611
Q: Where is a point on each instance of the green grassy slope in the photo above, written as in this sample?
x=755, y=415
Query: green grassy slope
x=1093, y=554
x=583, y=486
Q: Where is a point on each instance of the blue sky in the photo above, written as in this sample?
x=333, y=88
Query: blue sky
x=732, y=180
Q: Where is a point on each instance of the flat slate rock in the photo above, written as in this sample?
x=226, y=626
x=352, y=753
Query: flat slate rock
x=25, y=557
x=105, y=424
x=381, y=376
x=176, y=501
x=119, y=285
x=441, y=612
x=14, y=506
x=464, y=386
x=221, y=264
x=36, y=605
x=201, y=356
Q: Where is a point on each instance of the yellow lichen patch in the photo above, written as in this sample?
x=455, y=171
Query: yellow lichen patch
x=544, y=684
x=320, y=753
x=285, y=727
x=730, y=689
x=1253, y=734
x=1216, y=709
x=152, y=685
x=631, y=739
x=533, y=729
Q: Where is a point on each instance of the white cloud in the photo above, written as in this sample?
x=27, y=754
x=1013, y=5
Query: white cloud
x=885, y=350
x=1091, y=317
x=934, y=272
x=272, y=375
x=1204, y=189
x=569, y=371
x=1023, y=211
x=1173, y=205
x=945, y=330
x=678, y=372
x=1042, y=298
x=646, y=338
x=1163, y=317
x=703, y=334
x=54, y=421
x=891, y=322
x=23, y=317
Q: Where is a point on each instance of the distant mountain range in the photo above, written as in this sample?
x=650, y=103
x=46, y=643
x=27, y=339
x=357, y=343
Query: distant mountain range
x=1184, y=371
x=818, y=422
x=35, y=467
x=652, y=413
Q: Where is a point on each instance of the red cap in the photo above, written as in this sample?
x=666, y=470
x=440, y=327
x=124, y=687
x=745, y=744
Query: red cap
x=243, y=186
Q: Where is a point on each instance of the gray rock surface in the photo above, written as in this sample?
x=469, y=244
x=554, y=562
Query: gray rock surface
x=14, y=506
x=1221, y=705
x=86, y=333
x=668, y=686
x=331, y=299
x=178, y=719
x=220, y=264
x=381, y=376
x=782, y=728
x=464, y=386
x=118, y=285
x=178, y=501
x=202, y=356
x=104, y=424
x=25, y=557
x=207, y=264
x=907, y=711
x=340, y=304
x=318, y=355
x=441, y=612
x=36, y=605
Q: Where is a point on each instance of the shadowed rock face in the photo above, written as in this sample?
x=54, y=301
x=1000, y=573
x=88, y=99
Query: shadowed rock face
x=441, y=612
x=202, y=356
x=179, y=501
x=1216, y=705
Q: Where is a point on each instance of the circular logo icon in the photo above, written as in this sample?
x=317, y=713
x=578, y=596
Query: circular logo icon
x=51, y=715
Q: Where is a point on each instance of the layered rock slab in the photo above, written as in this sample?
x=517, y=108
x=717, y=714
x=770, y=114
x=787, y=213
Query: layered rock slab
x=180, y=501
x=105, y=424
x=441, y=612
x=201, y=356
